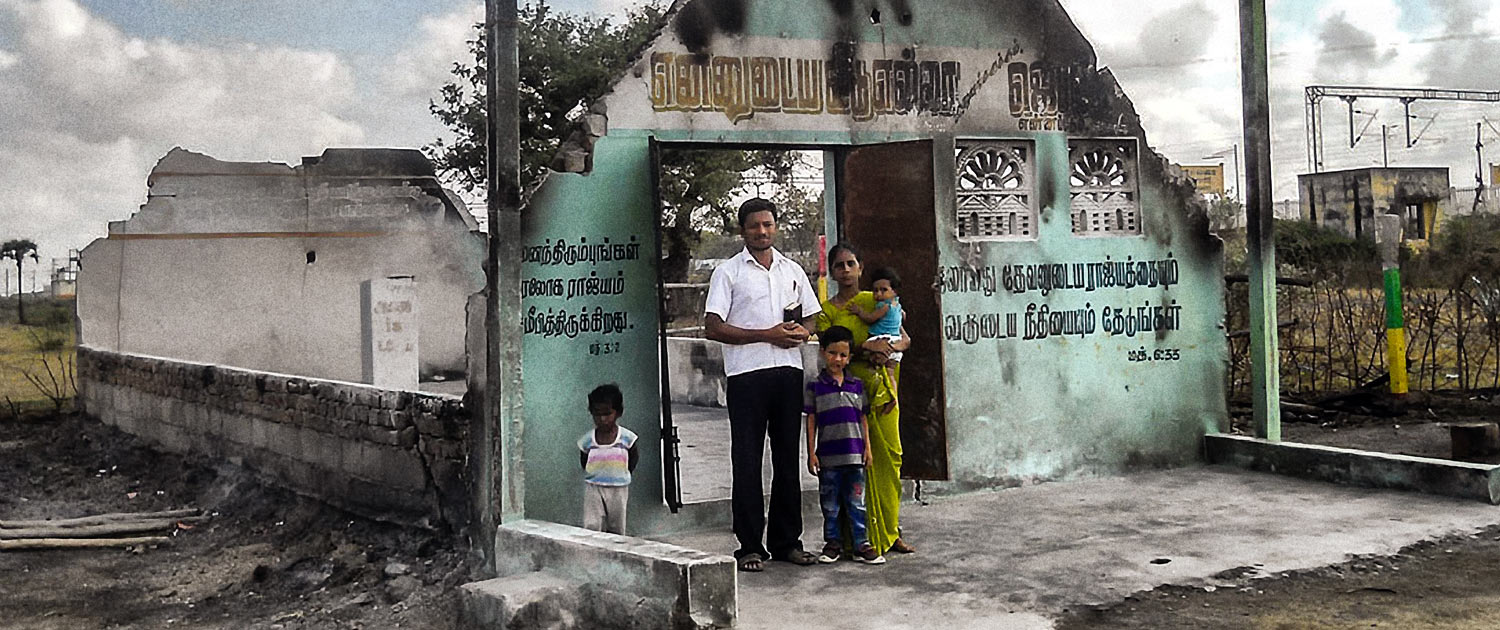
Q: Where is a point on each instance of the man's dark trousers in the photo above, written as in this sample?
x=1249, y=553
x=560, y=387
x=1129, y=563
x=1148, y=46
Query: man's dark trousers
x=766, y=402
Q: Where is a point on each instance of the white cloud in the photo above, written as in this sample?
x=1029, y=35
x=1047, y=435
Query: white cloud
x=88, y=110
x=427, y=61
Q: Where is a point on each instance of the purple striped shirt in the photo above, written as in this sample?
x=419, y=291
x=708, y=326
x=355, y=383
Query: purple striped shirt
x=837, y=409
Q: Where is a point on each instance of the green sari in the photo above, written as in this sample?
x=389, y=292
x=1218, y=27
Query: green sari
x=883, y=474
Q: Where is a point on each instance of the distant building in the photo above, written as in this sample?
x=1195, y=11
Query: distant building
x=1208, y=179
x=1348, y=200
x=64, y=281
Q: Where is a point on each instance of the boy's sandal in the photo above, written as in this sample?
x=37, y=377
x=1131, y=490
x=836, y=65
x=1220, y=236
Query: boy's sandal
x=751, y=563
x=901, y=546
x=799, y=558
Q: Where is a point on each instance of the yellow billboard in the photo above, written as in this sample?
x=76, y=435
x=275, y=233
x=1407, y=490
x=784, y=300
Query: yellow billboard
x=1494, y=175
x=1207, y=179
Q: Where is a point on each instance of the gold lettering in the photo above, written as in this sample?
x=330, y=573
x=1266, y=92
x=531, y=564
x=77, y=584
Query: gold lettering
x=765, y=84
x=661, y=81
x=741, y=86
x=729, y=91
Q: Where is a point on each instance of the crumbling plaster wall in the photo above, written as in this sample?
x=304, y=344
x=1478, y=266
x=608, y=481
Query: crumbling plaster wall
x=260, y=265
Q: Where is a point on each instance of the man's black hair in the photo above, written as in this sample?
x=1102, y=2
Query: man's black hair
x=752, y=206
x=886, y=273
x=608, y=393
x=835, y=334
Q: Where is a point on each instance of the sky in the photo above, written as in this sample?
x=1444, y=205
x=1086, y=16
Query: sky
x=94, y=92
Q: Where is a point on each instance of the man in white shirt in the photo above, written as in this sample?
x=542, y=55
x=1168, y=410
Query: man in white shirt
x=760, y=306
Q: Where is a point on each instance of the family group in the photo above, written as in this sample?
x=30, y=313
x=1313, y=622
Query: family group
x=763, y=308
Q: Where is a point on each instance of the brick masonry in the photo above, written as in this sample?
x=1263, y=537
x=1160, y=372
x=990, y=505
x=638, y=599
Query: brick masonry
x=392, y=455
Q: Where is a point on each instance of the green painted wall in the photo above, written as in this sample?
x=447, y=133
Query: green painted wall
x=1022, y=410
x=559, y=368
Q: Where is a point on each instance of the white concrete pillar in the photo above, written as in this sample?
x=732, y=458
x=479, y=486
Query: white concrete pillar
x=391, y=333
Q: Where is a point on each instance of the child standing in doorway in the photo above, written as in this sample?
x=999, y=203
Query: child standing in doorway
x=885, y=326
x=608, y=456
x=838, y=447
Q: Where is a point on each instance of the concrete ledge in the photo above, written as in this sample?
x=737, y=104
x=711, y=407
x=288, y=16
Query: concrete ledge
x=1357, y=468
x=680, y=587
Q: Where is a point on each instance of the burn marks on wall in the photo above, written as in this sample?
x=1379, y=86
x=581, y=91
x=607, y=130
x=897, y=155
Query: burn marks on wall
x=699, y=21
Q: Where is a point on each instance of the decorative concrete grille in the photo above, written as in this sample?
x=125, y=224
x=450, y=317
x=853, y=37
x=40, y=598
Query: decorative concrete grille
x=994, y=186
x=1103, y=187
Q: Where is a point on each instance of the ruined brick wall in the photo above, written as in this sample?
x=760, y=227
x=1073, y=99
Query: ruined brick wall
x=392, y=455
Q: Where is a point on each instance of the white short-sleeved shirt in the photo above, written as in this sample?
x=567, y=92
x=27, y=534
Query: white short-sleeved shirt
x=746, y=295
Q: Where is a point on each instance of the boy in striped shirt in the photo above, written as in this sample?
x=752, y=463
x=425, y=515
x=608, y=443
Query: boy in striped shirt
x=608, y=456
x=838, y=447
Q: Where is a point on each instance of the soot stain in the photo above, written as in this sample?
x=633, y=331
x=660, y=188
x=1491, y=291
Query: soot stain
x=699, y=21
x=841, y=68
x=902, y=9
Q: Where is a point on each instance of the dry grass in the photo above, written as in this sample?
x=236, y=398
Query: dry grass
x=21, y=353
x=1338, y=340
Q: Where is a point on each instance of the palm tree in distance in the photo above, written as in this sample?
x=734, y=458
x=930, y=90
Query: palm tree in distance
x=18, y=250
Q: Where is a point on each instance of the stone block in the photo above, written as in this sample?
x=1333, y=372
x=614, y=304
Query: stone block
x=401, y=419
x=407, y=437
x=367, y=397
x=696, y=587
x=429, y=424
x=236, y=429
x=389, y=466
x=394, y=399
x=532, y=600
x=439, y=447
x=380, y=435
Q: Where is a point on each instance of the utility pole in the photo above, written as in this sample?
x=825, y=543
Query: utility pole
x=1385, y=155
x=1265, y=365
x=1239, y=191
x=1478, y=166
x=499, y=491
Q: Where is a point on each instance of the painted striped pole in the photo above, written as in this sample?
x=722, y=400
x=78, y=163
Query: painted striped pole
x=1388, y=240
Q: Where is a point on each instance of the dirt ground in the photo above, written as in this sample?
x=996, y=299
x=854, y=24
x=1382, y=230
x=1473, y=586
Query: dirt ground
x=266, y=559
x=1451, y=583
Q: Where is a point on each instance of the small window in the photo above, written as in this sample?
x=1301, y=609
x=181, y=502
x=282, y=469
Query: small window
x=1102, y=182
x=996, y=197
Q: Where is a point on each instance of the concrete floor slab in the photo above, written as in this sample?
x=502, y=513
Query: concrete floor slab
x=1017, y=558
x=706, y=470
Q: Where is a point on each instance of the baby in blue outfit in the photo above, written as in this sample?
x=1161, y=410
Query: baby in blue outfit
x=885, y=322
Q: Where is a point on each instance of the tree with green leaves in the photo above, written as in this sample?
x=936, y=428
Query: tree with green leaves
x=18, y=250
x=567, y=62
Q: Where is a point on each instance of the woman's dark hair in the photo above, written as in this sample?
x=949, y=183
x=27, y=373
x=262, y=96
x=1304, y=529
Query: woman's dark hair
x=887, y=274
x=608, y=393
x=842, y=246
x=835, y=334
x=752, y=206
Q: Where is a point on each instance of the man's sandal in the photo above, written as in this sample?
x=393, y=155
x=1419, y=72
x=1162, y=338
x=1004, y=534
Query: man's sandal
x=751, y=563
x=901, y=546
x=799, y=557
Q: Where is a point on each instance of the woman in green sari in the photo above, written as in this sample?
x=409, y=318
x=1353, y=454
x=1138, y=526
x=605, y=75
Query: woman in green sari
x=883, y=479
